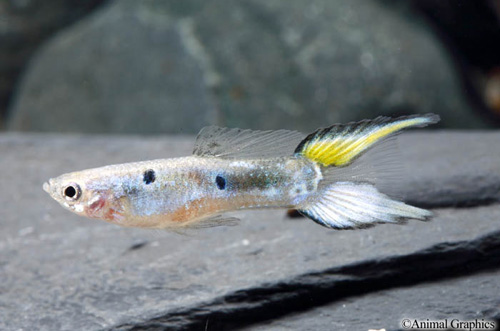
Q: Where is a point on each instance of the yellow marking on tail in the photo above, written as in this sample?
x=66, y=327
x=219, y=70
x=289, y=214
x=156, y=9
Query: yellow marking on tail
x=341, y=150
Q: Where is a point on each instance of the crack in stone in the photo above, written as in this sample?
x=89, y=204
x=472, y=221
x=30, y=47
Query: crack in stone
x=275, y=300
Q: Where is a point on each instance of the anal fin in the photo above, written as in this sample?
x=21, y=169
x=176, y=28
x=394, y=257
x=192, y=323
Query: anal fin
x=213, y=221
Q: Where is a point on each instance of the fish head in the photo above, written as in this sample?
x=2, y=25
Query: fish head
x=86, y=194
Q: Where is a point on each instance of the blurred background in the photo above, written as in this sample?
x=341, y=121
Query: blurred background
x=151, y=67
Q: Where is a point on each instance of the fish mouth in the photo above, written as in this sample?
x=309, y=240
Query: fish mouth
x=46, y=187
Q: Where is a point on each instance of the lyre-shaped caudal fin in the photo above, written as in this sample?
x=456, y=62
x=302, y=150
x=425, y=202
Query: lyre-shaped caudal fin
x=346, y=201
x=341, y=144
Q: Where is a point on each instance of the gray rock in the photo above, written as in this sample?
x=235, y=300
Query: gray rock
x=454, y=169
x=369, y=283
x=318, y=62
x=118, y=71
x=60, y=271
x=152, y=67
x=464, y=298
x=25, y=25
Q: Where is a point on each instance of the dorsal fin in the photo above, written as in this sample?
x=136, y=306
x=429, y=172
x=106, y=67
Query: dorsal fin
x=341, y=144
x=245, y=144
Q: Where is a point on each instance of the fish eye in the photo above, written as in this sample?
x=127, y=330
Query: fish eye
x=72, y=192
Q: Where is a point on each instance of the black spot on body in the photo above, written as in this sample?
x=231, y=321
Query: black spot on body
x=221, y=182
x=149, y=176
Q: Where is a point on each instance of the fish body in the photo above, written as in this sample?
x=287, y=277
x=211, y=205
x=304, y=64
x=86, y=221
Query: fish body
x=175, y=192
x=234, y=169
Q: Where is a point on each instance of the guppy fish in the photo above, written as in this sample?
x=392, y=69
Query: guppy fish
x=233, y=169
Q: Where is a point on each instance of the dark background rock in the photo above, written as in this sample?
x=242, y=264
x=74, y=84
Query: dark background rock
x=470, y=30
x=115, y=72
x=61, y=271
x=25, y=25
x=153, y=67
x=327, y=61
x=467, y=27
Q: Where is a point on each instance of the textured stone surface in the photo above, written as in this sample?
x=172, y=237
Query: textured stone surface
x=451, y=168
x=465, y=298
x=368, y=283
x=156, y=67
x=60, y=271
